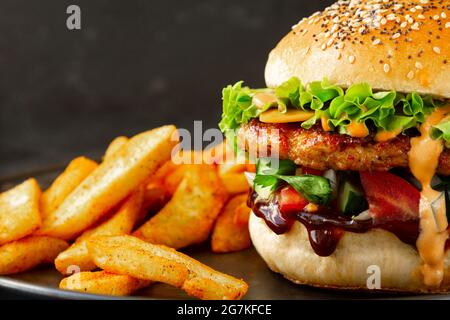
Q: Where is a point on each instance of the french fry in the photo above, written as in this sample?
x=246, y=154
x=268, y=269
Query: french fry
x=231, y=167
x=189, y=216
x=111, y=182
x=19, y=211
x=65, y=183
x=122, y=257
x=155, y=197
x=242, y=214
x=173, y=179
x=122, y=222
x=114, y=146
x=235, y=182
x=104, y=283
x=218, y=153
x=228, y=235
x=131, y=256
x=29, y=252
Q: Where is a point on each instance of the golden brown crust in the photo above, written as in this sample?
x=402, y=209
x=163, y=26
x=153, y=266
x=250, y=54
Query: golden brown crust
x=400, y=45
x=347, y=268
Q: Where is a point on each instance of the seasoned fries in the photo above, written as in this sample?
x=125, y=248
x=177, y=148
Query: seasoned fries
x=114, y=146
x=231, y=231
x=29, y=252
x=235, y=182
x=122, y=257
x=110, y=183
x=19, y=211
x=133, y=257
x=102, y=204
x=189, y=216
x=65, y=183
x=122, y=222
x=104, y=283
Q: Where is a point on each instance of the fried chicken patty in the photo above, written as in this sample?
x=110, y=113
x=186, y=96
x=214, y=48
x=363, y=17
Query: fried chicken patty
x=318, y=149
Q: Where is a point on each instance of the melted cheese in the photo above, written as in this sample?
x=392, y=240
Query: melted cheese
x=423, y=161
x=385, y=135
x=357, y=129
x=263, y=98
x=275, y=116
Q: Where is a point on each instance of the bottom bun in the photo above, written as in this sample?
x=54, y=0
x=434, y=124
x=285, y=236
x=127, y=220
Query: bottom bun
x=349, y=267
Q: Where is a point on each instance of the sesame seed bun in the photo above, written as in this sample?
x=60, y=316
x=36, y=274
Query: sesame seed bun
x=291, y=255
x=392, y=45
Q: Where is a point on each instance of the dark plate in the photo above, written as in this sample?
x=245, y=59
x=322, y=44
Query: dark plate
x=264, y=284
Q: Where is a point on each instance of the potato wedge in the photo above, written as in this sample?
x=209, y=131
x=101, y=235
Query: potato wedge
x=29, y=252
x=19, y=211
x=230, y=235
x=104, y=283
x=115, y=145
x=122, y=222
x=78, y=169
x=235, y=182
x=162, y=185
x=131, y=256
x=189, y=216
x=173, y=179
x=231, y=167
x=155, y=197
x=111, y=182
x=218, y=153
x=124, y=258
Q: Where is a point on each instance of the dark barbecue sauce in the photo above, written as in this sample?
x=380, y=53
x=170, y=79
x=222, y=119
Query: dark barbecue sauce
x=326, y=226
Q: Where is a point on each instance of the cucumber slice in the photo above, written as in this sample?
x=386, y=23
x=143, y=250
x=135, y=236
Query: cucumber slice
x=351, y=199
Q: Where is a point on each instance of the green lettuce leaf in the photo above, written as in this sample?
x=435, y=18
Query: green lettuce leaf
x=441, y=130
x=386, y=110
x=272, y=173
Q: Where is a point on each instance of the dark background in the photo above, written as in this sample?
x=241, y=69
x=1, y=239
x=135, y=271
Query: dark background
x=133, y=65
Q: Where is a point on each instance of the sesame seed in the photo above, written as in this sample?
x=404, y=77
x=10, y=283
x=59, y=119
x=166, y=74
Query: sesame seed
x=386, y=68
x=418, y=65
x=351, y=59
x=330, y=42
x=304, y=32
x=391, y=17
x=436, y=17
x=421, y=16
x=419, y=7
x=447, y=25
x=410, y=20
x=383, y=21
x=404, y=24
x=396, y=35
x=410, y=75
x=413, y=10
x=437, y=50
x=341, y=45
x=376, y=41
x=324, y=46
x=423, y=1
x=415, y=26
x=443, y=15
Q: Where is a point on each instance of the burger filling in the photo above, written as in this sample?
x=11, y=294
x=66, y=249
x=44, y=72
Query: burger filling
x=346, y=160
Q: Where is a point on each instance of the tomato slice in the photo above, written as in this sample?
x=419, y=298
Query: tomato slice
x=290, y=201
x=390, y=197
x=312, y=171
